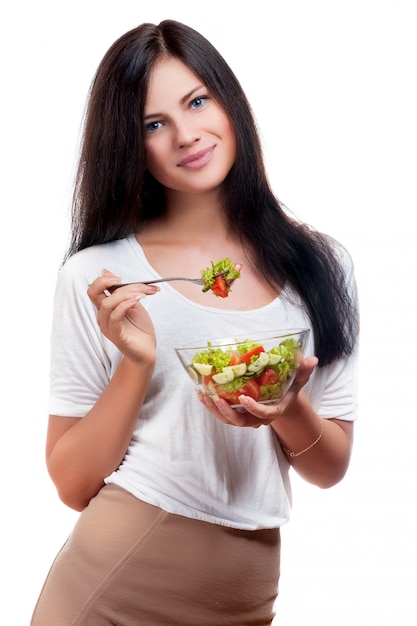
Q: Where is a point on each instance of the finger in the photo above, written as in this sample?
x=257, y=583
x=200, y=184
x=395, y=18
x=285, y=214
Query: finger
x=237, y=416
x=305, y=369
x=226, y=411
x=116, y=311
x=99, y=295
x=269, y=412
x=308, y=364
x=210, y=406
x=264, y=413
x=96, y=290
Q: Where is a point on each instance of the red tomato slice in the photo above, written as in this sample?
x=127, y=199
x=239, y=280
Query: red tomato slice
x=250, y=388
x=220, y=288
x=235, y=359
x=232, y=397
x=268, y=377
x=248, y=355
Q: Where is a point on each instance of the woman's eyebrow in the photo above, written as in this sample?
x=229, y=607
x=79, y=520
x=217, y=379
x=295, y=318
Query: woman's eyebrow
x=188, y=95
x=182, y=101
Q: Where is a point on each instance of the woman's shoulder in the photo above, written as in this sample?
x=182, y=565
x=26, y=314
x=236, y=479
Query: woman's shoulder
x=92, y=260
x=112, y=248
x=83, y=267
x=344, y=259
x=335, y=249
x=339, y=248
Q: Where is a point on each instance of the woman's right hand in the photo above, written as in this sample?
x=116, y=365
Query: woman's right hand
x=121, y=317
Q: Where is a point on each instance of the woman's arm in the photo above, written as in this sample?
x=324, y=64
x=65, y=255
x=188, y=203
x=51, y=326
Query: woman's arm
x=325, y=445
x=319, y=450
x=81, y=452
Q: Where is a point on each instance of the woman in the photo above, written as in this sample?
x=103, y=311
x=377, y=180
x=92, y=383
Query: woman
x=182, y=497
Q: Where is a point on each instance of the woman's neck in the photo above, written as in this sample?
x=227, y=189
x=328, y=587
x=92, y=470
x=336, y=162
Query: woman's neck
x=191, y=216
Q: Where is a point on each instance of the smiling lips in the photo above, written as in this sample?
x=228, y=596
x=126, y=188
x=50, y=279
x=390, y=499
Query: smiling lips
x=198, y=159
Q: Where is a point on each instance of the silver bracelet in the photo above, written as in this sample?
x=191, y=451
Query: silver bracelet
x=294, y=454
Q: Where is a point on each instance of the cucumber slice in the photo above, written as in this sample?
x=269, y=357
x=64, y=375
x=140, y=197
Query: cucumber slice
x=260, y=363
x=203, y=368
x=225, y=376
x=239, y=369
x=274, y=358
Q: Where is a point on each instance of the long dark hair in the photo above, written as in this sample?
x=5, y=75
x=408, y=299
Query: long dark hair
x=114, y=193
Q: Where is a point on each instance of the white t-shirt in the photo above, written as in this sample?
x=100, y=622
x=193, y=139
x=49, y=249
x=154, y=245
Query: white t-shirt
x=181, y=458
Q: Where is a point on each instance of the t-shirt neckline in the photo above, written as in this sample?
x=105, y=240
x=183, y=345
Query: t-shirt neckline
x=139, y=251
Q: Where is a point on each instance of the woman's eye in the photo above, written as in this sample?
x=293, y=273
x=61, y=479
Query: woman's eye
x=197, y=103
x=152, y=126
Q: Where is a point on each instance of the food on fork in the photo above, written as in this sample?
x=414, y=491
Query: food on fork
x=219, y=277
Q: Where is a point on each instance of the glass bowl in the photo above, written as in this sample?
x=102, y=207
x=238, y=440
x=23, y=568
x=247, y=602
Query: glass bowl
x=260, y=365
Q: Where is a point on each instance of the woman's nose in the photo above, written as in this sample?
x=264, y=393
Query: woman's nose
x=186, y=133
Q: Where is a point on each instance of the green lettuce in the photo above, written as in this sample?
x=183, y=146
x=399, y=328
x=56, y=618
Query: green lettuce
x=216, y=357
x=224, y=265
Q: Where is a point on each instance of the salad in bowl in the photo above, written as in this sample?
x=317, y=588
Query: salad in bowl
x=262, y=365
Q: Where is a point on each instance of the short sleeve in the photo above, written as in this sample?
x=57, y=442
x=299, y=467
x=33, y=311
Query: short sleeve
x=80, y=356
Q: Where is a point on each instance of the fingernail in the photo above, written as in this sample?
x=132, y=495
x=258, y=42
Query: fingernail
x=135, y=297
x=219, y=402
x=152, y=288
x=244, y=400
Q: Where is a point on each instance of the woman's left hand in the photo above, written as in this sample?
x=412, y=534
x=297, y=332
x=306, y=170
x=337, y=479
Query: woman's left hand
x=253, y=414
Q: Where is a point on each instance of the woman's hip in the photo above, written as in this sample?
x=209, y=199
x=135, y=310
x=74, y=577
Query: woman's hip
x=131, y=563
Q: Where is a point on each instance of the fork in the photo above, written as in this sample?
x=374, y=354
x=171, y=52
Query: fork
x=196, y=281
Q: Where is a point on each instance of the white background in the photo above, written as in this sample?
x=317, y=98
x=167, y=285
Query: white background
x=332, y=84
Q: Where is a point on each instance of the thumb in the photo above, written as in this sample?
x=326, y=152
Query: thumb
x=305, y=370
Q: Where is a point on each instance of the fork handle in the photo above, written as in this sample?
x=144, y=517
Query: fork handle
x=196, y=281
x=151, y=282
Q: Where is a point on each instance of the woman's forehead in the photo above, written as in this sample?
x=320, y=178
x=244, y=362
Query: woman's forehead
x=171, y=79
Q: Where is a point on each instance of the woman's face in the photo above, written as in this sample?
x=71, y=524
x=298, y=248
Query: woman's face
x=190, y=142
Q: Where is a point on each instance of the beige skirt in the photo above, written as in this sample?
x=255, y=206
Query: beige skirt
x=128, y=563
